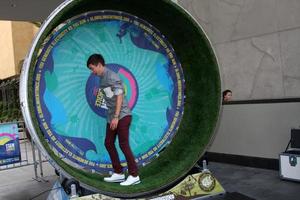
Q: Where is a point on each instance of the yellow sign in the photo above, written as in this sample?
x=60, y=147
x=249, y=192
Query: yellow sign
x=195, y=185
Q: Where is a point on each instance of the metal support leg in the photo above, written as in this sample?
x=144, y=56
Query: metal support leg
x=73, y=191
x=41, y=163
x=34, y=163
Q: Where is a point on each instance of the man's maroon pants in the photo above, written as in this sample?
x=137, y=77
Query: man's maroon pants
x=123, y=135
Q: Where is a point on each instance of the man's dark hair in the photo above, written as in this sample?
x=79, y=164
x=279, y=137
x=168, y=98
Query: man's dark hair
x=95, y=59
x=225, y=92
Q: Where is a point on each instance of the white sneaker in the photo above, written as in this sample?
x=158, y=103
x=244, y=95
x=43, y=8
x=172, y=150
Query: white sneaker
x=115, y=178
x=131, y=180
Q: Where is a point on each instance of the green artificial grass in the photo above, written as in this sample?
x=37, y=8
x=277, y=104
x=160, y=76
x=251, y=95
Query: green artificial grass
x=202, y=103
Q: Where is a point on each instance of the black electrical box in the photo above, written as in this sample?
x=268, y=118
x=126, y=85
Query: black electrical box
x=295, y=138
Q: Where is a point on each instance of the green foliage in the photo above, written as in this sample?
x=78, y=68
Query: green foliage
x=9, y=106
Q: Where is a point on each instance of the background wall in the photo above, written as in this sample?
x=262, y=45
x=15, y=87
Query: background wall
x=7, y=63
x=257, y=130
x=15, y=40
x=23, y=34
x=258, y=46
x=257, y=43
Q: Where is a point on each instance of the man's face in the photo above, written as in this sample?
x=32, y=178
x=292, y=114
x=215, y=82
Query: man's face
x=96, y=69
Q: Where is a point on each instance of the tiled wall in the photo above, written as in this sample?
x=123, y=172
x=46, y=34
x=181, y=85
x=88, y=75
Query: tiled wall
x=257, y=43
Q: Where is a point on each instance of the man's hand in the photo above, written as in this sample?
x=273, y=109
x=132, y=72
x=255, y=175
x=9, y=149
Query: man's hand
x=114, y=123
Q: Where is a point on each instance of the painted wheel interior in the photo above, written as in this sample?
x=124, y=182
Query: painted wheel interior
x=171, y=80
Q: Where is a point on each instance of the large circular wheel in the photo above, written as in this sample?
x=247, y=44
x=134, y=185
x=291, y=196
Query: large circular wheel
x=186, y=95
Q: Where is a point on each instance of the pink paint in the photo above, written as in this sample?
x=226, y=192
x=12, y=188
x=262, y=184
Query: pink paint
x=133, y=86
x=12, y=136
x=95, y=91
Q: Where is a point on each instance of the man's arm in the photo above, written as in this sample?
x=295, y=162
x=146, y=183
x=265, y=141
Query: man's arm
x=119, y=101
x=115, y=120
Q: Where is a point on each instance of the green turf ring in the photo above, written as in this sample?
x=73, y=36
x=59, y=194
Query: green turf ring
x=202, y=102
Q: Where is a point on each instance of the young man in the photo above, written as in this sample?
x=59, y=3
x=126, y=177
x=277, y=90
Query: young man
x=118, y=121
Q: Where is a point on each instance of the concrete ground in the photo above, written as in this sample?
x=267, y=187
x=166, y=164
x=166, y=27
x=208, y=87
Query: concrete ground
x=260, y=184
x=19, y=183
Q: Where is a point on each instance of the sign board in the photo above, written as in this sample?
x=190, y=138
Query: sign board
x=9, y=144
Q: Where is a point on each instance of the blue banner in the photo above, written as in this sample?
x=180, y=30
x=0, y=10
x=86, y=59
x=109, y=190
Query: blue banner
x=9, y=144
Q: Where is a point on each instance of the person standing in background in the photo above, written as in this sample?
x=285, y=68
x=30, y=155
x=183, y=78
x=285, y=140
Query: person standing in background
x=227, y=95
